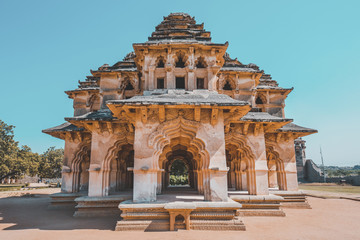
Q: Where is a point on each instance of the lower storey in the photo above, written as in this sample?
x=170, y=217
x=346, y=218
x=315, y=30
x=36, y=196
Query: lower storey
x=181, y=209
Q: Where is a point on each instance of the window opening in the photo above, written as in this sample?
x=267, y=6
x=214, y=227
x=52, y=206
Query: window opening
x=180, y=83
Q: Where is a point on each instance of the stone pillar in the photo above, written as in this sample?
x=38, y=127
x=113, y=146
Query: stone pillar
x=244, y=186
x=290, y=168
x=100, y=144
x=145, y=176
x=212, y=78
x=256, y=141
x=151, y=79
x=285, y=149
x=67, y=180
x=238, y=180
x=159, y=182
x=191, y=80
x=170, y=79
x=215, y=178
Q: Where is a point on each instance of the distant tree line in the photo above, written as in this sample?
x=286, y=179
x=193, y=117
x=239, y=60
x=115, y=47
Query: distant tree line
x=17, y=161
x=334, y=171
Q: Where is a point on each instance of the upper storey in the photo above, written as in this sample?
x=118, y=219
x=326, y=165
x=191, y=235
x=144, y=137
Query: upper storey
x=179, y=54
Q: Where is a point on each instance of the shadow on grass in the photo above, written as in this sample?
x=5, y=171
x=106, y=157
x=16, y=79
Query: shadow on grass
x=31, y=212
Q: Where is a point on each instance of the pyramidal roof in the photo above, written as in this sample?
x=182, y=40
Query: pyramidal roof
x=180, y=26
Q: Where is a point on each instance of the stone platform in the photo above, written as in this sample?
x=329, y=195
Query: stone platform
x=99, y=206
x=165, y=216
x=292, y=199
x=64, y=200
x=252, y=205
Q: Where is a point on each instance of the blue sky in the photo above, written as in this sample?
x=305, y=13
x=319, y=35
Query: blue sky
x=313, y=46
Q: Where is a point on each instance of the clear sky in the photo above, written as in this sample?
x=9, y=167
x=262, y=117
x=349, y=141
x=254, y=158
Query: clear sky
x=313, y=46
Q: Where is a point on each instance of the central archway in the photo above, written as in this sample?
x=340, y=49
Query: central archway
x=177, y=138
x=177, y=158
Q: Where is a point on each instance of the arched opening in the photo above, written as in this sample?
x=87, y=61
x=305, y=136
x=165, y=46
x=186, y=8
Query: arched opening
x=240, y=161
x=276, y=173
x=116, y=176
x=180, y=222
x=80, y=169
x=180, y=61
x=129, y=86
x=160, y=62
x=227, y=86
x=179, y=167
x=259, y=100
x=200, y=63
x=175, y=139
x=84, y=174
x=120, y=179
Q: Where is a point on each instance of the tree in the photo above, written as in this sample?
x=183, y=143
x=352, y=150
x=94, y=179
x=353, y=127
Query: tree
x=51, y=163
x=15, y=161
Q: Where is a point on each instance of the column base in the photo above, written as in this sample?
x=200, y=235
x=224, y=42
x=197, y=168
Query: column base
x=99, y=206
x=64, y=200
x=293, y=199
x=257, y=205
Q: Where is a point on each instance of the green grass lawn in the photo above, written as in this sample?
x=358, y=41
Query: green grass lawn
x=336, y=188
x=10, y=187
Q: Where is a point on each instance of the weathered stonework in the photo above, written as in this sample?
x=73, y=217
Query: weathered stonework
x=179, y=96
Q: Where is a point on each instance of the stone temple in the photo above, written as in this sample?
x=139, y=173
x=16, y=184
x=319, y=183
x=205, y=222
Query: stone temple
x=179, y=97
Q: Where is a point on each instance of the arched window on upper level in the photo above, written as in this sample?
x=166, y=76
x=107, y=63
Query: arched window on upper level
x=180, y=60
x=129, y=86
x=160, y=62
x=259, y=100
x=227, y=86
x=200, y=63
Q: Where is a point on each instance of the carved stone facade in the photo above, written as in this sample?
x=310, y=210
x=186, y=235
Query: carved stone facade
x=178, y=96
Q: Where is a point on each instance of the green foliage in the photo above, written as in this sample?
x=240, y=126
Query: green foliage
x=179, y=173
x=178, y=167
x=16, y=161
x=342, y=172
x=179, y=180
x=51, y=163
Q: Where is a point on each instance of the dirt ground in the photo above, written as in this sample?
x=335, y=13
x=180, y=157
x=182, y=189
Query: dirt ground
x=27, y=217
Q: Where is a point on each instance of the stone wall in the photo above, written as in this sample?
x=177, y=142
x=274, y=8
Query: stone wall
x=312, y=173
x=353, y=180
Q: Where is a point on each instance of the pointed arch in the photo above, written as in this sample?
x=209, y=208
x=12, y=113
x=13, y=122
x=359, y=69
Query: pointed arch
x=179, y=127
x=260, y=99
x=273, y=156
x=182, y=131
x=180, y=59
x=160, y=62
x=111, y=155
x=227, y=82
x=200, y=62
x=81, y=156
x=244, y=159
